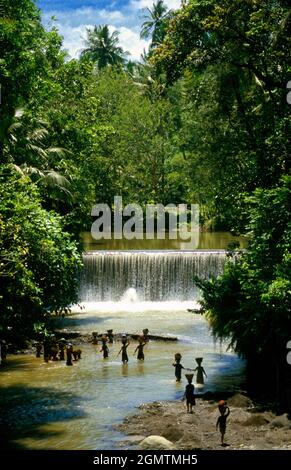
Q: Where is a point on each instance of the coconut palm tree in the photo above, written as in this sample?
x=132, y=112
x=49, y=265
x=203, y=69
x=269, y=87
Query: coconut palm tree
x=26, y=150
x=155, y=23
x=102, y=47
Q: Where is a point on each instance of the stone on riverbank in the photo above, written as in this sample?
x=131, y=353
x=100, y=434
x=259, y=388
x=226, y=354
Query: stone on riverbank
x=157, y=443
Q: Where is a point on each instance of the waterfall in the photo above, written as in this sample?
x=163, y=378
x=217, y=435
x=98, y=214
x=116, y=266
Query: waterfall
x=146, y=275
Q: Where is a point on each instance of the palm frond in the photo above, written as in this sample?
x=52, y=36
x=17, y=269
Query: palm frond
x=32, y=171
x=55, y=180
x=16, y=168
x=58, y=151
x=38, y=135
x=37, y=150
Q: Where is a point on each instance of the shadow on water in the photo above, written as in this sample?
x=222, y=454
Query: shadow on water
x=24, y=410
x=225, y=371
x=13, y=364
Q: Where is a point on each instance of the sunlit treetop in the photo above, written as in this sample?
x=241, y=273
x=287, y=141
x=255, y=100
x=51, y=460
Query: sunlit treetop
x=250, y=35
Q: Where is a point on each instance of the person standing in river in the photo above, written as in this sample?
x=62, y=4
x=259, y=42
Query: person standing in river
x=200, y=371
x=178, y=367
x=145, y=335
x=125, y=344
x=69, y=353
x=189, y=393
x=110, y=336
x=95, y=337
x=139, y=349
x=62, y=345
x=104, y=348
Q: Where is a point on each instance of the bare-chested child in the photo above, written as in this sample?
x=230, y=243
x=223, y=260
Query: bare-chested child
x=139, y=348
x=221, y=422
x=178, y=367
x=189, y=393
x=125, y=344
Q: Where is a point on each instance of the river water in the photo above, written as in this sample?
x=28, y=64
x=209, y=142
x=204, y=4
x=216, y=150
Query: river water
x=53, y=406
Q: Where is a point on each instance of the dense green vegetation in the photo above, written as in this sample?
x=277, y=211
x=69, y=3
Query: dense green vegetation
x=203, y=119
x=232, y=60
x=249, y=305
x=72, y=133
x=38, y=259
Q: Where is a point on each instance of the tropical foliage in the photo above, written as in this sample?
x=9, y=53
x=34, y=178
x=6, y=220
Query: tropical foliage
x=230, y=59
x=102, y=47
x=203, y=118
x=155, y=23
x=38, y=264
x=250, y=303
x=233, y=61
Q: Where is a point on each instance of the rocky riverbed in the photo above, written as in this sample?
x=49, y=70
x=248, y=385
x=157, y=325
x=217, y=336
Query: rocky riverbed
x=248, y=427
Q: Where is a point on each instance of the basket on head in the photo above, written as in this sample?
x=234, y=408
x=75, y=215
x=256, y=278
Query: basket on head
x=94, y=334
x=178, y=356
x=145, y=331
x=222, y=406
x=104, y=338
x=189, y=377
x=140, y=339
x=198, y=360
x=124, y=339
x=109, y=332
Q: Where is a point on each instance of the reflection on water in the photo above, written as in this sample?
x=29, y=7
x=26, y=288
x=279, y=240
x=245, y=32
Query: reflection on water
x=124, y=370
x=140, y=368
x=51, y=406
x=202, y=241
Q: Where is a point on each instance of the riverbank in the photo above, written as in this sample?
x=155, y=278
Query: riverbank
x=249, y=426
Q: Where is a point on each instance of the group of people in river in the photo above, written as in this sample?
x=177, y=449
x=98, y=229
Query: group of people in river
x=61, y=350
x=189, y=394
x=54, y=350
x=143, y=339
x=57, y=350
x=200, y=369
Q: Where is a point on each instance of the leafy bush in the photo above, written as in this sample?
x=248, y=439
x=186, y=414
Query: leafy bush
x=38, y=262
x=250, y=304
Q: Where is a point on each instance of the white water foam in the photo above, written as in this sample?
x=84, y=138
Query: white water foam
x=138, y=306
x=131, y=303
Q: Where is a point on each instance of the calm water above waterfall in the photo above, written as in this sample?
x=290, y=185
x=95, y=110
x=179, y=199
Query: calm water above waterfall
x=201, y=241
x=52, y=406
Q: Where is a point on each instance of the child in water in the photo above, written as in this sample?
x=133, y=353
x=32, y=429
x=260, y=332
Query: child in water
x=104, y=348
x=200, y=371
x=69, y=351
x=178, y=367
x=125, y=344
x=95, y=337
x=221, y=422
x=139, y=348
x=189, y=393
x=110, y=336
x=145, y=335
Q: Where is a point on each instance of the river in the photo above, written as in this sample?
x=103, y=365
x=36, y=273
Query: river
x=52, y=406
